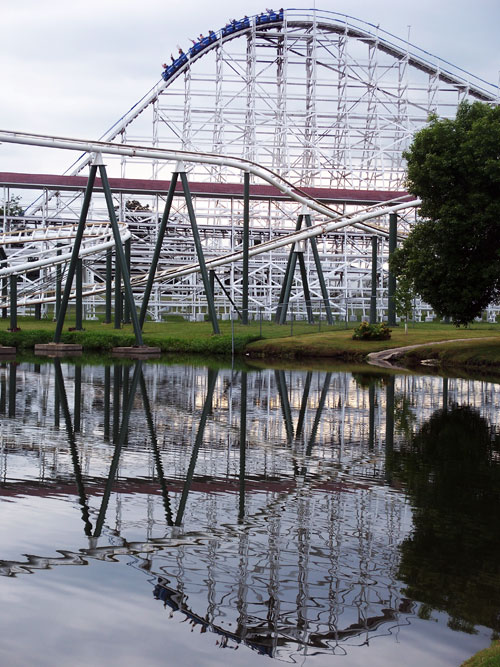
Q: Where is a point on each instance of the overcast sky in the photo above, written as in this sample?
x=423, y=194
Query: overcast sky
x=73, y=68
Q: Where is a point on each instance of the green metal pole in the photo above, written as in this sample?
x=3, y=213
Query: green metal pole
x=157, y=250
x=118, y=297
x=109, y=284
x=281, y=302
x=305, y=285
x=319, y=271
x=61, y=311
x=199, y=252
x=79, y=302
x=13, y=303
x=373, y=298
x=246, y=232
x=120, y=255
x=391, y=281
x=57, y=306
x=5, y=291
x=288, y=288
x=126, y=314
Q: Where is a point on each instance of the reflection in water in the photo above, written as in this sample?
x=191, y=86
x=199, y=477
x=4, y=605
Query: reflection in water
x=450, y=561
x=288, y=511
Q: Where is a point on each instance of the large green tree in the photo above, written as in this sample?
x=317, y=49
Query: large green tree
x=452, y=256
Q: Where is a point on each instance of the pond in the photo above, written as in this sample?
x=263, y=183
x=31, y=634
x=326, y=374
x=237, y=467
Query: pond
x=155, y=513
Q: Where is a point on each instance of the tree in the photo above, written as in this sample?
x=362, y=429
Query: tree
x=11, y=209
x=403, y=299
x=452, y=257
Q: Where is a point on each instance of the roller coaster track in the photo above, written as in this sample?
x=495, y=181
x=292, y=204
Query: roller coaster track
x=335, y=223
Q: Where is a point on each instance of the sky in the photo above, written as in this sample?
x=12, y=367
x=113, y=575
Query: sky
x=73, y=68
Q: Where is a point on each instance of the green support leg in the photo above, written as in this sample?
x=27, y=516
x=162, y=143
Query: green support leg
x=118, y=297
x=61, y=311
x=199, y=252
x=281, y=302
x=288, y=288
x=305, y=286
x=79, y=301
x=109, y=284
x=13, y=304
x=391, y=282
x=319, y=271
x=157, y=250
x=373, y=298
x=120, y=255
x=126, y=312
x=246, y=232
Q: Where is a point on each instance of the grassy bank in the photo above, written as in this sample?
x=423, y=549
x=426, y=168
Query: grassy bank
x=269, y=340
x=488, y=657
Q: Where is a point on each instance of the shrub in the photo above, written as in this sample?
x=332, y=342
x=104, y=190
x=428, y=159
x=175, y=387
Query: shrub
x=367, y=331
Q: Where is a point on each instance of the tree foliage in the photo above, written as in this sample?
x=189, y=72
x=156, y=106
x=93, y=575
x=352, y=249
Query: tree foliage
x=452, y=257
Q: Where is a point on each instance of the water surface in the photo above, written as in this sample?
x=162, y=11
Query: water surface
x=159, y=513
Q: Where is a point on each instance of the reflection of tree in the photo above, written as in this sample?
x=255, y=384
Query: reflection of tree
x=451, y=561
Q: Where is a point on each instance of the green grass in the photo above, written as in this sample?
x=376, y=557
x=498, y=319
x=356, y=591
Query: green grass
x=270, y=340
x=488, y=657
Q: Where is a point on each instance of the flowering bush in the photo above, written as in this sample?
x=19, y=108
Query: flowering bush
x=367, y=331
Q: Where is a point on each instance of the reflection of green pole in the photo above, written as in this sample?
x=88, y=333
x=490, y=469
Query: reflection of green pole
x=371, y=418
x=12, y=389
x=285, y=404
x=319, y=412
x=389, y=428
x=391, y=281
x=373, y=298
x=445, y=393
x=246, y=233
x=156, y=451
x=118, y=447
x=117, y=382
x=3, y=394
x=243, y=443
x=78, y=396
x=72, y=445
x=212, y=378
x=107, y=400
x=199, y=253
x=303, y=405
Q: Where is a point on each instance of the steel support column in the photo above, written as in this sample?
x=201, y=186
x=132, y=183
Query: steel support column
x=199, y=252
x=13, y=303
x=118, y=297
x=120, y=255
x=319, y=271
x=305, y=287
x=126, y=313
x=246, y=232
x=157, y=250
x=373, y=298
x=79, y=302
x=109, y=284
x=391, y=280
x=61, y=311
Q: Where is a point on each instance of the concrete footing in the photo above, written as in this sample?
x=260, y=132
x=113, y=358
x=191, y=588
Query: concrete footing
x=139, y=352
x=58, y=350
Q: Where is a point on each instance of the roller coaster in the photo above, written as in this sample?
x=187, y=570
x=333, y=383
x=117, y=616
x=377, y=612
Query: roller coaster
x=315, y=104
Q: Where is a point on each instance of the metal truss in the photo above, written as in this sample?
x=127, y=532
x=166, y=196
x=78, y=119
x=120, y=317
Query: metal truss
x=321, y=99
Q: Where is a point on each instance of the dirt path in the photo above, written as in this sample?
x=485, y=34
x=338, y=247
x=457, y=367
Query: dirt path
x=385, y=358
